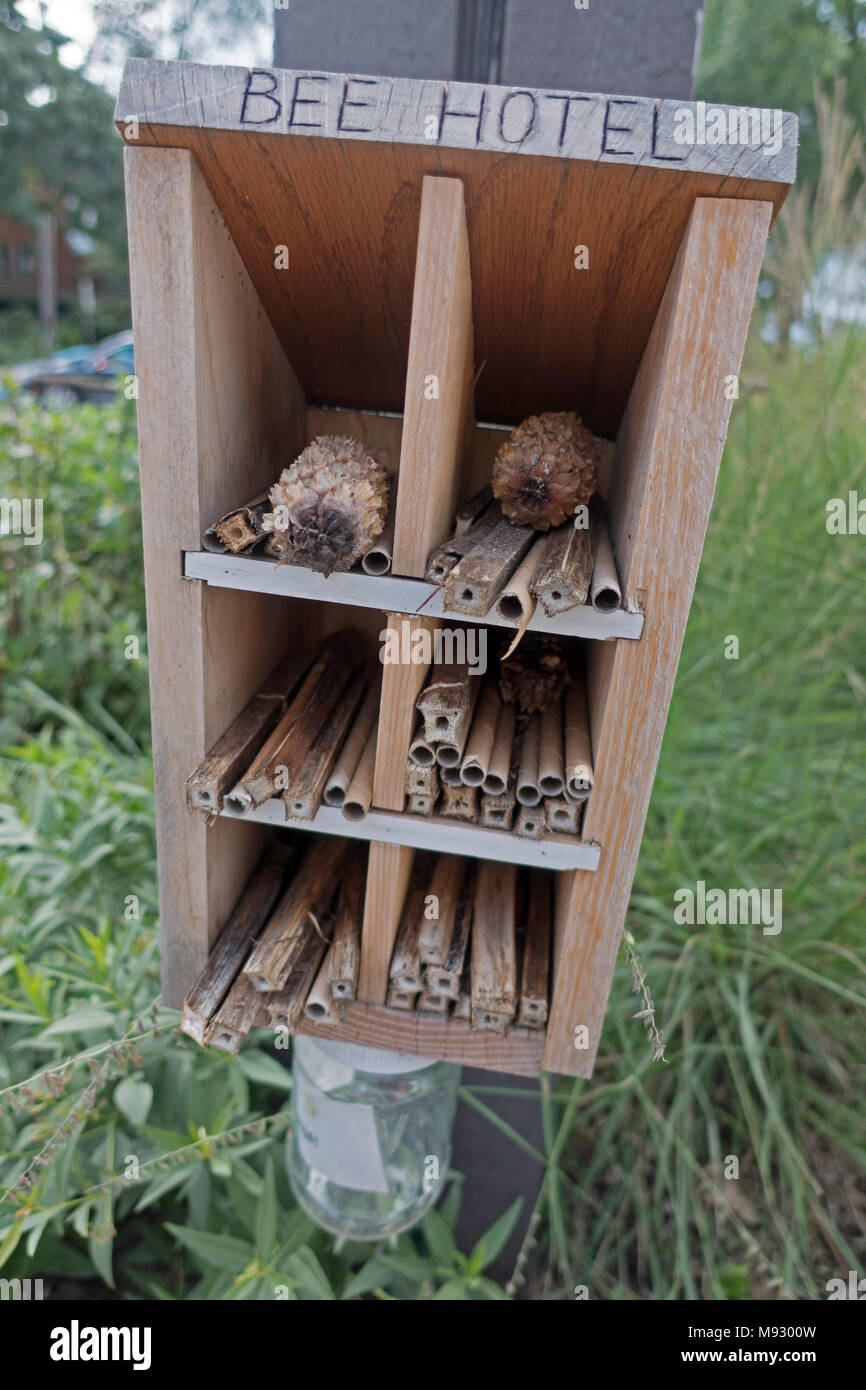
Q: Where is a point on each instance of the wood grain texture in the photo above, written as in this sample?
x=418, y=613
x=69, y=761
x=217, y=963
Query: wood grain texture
x=438, y=378
x=668, y=452
x=603, y=172
x=430, y=1035
x=216, y=397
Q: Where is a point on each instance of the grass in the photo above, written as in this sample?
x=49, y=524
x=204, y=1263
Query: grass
x=762, y=783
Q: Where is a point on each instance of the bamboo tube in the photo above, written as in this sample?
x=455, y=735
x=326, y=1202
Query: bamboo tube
x=303, y=795
x=516, y=603
x=477, y=580
x=460, y=802
x=232, y=947
x=378, y=558
x=420, y=750
x=494, y=948
x=320, y=1006
x=350, y=754
x=530, y=822
x=290, y=740
x=479, y=744
x=450, y=777
x=298, y=913
x=561, y=580
x=562, y=815
x=527, y=773
x=360, y=793
x=551, y=779
x=604, y=589
x=405, y=969
x=535, y=966
x=578, y=746
x=447, y=703
x=445, y=888
x=499, y=767
x=232, y=753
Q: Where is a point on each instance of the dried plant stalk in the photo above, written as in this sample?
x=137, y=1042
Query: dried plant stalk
x=494, y=948
x=243, y=739
x=405, y=969
x=459, y=802
x=561, y=580
x=239, y=530
x=562, y=815
x=535, y=966
x=467, y=532
x=232, y=947
x=303, y=794
x=289, y=743
x=530, y=822
x=299, y=912
x=477, y=580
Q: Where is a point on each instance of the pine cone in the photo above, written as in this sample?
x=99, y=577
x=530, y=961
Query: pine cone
x=545, y=470
x=535, y=674
x=329, y=507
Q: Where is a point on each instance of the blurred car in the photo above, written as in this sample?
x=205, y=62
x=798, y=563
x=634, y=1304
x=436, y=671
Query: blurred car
x=78, y=373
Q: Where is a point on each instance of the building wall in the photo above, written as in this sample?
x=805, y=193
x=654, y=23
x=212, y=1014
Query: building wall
x=633, y=47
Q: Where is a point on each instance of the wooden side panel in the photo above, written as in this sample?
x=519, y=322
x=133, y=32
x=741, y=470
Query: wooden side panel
x=668, y=454
x=219, y=407
x=438, y=378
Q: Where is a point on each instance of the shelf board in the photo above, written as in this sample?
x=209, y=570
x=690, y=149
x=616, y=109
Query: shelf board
x=389, y=594
x=436, y=833
x=430, y=1035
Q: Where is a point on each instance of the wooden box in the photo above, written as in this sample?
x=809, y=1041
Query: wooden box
x=305, y=245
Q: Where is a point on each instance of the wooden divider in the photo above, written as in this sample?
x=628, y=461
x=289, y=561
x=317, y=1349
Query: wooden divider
x=436, y=423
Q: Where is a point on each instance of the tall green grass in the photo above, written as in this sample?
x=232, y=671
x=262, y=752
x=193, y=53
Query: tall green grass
x=762, y=783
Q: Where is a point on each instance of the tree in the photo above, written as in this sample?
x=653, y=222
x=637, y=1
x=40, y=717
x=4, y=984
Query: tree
x=771, y=52
x=171, y=29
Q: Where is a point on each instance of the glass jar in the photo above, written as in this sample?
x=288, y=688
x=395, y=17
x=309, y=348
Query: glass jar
x=370, y=1141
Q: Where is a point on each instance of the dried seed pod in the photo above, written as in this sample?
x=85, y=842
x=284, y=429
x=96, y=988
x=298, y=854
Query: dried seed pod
x=545, y=470
x=329, y=507
x=535, y=674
